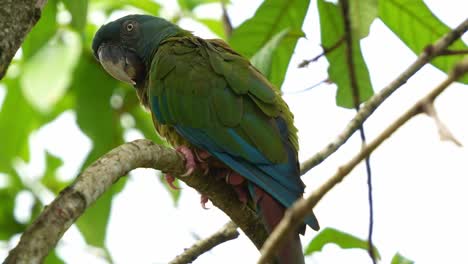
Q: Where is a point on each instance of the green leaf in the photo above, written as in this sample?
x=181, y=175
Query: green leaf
x=8, y=225
x=93, y=89
x=215, y=25
x=272, y=17
x=43, y=31
x=191, y=4
x=52, y=258
x=44, y=86
x=340, y=238
x=50, y=175
x=79, y=12
x=17, y=120
x=339, y=71
x=399, y=259
x=417, y=27
x=362, y=14
x=264, y=57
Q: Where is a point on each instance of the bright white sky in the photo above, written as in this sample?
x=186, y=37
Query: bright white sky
x=419, y=181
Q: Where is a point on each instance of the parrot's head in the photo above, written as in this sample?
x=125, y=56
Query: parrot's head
x=125, y=47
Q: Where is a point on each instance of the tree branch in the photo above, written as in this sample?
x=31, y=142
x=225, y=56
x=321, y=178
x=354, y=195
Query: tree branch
x=226, y=233
x=17, y=17
x=44, y=233
x=369, y=107
x=294, y=216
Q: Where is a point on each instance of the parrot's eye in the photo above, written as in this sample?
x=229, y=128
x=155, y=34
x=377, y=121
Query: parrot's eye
x=130, y=27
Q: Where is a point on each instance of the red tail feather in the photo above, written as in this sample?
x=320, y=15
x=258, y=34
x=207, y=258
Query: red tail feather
x=272, y=213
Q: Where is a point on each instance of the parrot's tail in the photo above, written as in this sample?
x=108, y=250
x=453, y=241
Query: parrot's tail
x=272, y=212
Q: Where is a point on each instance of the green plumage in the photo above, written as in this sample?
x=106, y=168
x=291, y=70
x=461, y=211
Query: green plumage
x=205, y=96
x=213, y=87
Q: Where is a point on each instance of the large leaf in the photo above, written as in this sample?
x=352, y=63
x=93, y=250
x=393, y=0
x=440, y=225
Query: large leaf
x=399, y=259
x=340, y=238
x=272, y=17
x=43, y=31
x=264, y=57
x=44, y=86
x=417, y=27
x=362, y=13
x=340, y=70
x=17, y=120
x=79, y=12
x=93, y=89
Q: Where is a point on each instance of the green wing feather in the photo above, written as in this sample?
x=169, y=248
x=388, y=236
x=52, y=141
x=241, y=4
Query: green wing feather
x=204, y=84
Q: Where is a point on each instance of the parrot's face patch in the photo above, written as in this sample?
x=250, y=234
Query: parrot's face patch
x=120, y=63
x=115, y=47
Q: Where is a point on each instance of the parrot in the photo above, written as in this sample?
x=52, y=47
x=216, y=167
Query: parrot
x=216, y=108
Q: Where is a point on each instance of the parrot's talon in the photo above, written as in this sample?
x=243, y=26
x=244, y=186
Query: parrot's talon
x=203, y=200
x=201, y=155
x=190, y=164
x=170, y=181
x=188, y=172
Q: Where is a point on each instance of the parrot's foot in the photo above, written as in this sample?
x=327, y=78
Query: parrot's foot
x=203, y=200
x=202, y=157
x=235, y=179
x=190, y=164
x=170, y=181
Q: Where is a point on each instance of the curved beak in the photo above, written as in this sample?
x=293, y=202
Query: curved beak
x=120, y=63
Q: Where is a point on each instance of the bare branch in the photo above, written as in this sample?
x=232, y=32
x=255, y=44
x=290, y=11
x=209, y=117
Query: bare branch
x=42, y=236
x=16, y=20
x=226, y=233
x=369, y=107
x=295, y=215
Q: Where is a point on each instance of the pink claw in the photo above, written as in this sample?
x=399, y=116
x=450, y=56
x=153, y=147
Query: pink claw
x=203, y=200
x=170, y=181
x=190, y=164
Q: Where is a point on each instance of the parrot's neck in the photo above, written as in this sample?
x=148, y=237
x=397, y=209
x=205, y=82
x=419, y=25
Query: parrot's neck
x=167, y=32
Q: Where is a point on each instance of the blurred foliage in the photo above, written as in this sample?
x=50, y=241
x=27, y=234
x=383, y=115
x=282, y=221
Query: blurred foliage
x=56, y=72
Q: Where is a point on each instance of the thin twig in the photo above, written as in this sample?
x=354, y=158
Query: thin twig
x=226, y=233
x=326, y=50
x=344, y=4
x=449, y=52
x=295, y=215
x=44, y=233
x=369, y=107
x=308, y=88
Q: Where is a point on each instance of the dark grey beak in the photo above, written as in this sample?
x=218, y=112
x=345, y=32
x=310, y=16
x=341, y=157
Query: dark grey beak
x=120, y=63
